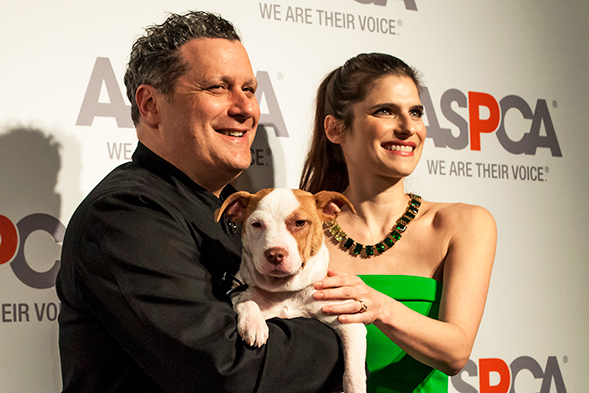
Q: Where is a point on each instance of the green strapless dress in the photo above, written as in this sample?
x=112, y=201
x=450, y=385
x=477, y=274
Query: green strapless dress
x=391, y=369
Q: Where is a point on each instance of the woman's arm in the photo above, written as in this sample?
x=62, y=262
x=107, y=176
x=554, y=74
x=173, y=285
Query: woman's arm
x=446, y=343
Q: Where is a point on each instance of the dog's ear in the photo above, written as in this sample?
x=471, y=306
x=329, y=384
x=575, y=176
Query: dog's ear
x=234, y=206
x=329, y=204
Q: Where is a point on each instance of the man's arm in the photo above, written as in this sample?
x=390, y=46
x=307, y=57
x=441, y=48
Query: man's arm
x=137, y=269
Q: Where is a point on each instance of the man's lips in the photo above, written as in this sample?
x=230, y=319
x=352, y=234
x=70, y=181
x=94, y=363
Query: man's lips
x=232, y=132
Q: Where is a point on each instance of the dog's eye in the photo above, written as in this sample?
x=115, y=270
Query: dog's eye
x=300, y=223
x=256, y=224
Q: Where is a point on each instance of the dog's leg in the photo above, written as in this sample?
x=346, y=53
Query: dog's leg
x=251, y=325
x=353, y=338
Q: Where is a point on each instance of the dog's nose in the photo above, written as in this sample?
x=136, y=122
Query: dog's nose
x=275, y=255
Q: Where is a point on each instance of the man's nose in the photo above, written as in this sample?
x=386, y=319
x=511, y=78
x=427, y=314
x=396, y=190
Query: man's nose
x=244, y=105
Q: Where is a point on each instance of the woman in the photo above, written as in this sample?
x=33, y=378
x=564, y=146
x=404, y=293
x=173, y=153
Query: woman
x=422, y=285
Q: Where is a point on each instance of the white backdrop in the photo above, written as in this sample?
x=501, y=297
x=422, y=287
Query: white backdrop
x=510, y=73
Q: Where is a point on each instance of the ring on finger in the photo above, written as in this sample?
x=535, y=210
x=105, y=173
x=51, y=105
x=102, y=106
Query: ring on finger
x=363, y=306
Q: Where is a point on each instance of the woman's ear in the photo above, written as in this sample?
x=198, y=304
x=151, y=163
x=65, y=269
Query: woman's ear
x=333, y=129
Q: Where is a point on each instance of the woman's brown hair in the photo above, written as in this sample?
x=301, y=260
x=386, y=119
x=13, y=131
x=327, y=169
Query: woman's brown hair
x=325, y=165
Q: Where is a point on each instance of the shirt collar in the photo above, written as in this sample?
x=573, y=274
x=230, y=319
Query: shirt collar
x=147, y=159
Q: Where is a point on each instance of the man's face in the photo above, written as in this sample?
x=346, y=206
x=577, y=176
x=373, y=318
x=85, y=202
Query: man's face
x=209, y=122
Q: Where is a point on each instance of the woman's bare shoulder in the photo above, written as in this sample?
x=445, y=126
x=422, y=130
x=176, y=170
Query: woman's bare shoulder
x=459, y=215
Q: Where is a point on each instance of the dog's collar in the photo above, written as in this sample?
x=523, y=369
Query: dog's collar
x=241, y=287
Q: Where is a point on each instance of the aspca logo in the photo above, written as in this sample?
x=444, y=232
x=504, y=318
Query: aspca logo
x=12, y=247
x=104, y=75
x=495, y=376
x=409, y=4
x=487, y=115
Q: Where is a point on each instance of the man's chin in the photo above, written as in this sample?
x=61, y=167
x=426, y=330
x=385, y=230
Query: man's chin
x=237, y=171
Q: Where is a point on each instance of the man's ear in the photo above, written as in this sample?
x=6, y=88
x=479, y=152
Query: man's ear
x=147, y=99
x=333, y=129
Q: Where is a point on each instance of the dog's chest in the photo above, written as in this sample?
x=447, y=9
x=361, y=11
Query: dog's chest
x=285, y=304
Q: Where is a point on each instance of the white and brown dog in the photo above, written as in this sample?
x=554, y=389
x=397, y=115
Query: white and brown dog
x=284, y=253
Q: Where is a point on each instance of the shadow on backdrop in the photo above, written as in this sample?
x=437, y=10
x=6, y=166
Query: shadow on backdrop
x=30, y=162
x=262, y=170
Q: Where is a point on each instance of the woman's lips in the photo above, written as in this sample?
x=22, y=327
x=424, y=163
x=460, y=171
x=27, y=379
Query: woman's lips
x=399, y=147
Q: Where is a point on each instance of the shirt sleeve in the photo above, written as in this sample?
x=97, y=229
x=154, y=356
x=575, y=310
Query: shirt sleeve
x=139, y=268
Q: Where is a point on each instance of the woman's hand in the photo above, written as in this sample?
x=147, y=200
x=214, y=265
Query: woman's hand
x=363, y=304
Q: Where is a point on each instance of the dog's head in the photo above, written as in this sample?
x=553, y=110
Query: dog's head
x=282, y=232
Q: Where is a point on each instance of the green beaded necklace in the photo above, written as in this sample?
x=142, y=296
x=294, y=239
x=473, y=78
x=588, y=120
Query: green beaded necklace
x=389, y=241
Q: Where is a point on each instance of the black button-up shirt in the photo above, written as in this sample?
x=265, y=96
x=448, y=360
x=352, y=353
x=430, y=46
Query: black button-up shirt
x=144, y=274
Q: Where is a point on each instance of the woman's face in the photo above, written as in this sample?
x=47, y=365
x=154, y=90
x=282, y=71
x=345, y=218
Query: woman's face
x=387, y=133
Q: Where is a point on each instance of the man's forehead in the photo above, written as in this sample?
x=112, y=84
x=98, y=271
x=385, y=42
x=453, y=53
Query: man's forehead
x=218, y=57
x=212, y=49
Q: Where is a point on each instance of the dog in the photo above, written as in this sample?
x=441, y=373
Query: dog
x=284, y=253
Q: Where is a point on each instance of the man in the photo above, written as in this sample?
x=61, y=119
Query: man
x=145, y=270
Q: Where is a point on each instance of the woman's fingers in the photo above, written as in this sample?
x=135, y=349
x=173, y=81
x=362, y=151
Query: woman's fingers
x=350, y=307
x=337, y=293
x=355, y=298
x=335, y=280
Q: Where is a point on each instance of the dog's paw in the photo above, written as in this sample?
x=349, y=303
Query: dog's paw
x=254, y=331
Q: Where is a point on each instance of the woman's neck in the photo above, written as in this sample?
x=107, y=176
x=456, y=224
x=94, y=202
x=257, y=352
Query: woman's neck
x=378, y=203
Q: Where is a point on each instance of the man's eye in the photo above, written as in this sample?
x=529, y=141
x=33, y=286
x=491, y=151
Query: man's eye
x=216, y=87
x=417, y=113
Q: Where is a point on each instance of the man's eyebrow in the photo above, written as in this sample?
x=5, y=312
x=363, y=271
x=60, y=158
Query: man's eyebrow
x=252, y=81
x=230, y=79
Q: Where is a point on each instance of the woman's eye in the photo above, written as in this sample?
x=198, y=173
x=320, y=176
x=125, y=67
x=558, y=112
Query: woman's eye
x=383, y=111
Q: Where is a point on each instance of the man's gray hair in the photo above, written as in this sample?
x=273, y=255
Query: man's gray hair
x=155, y=58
